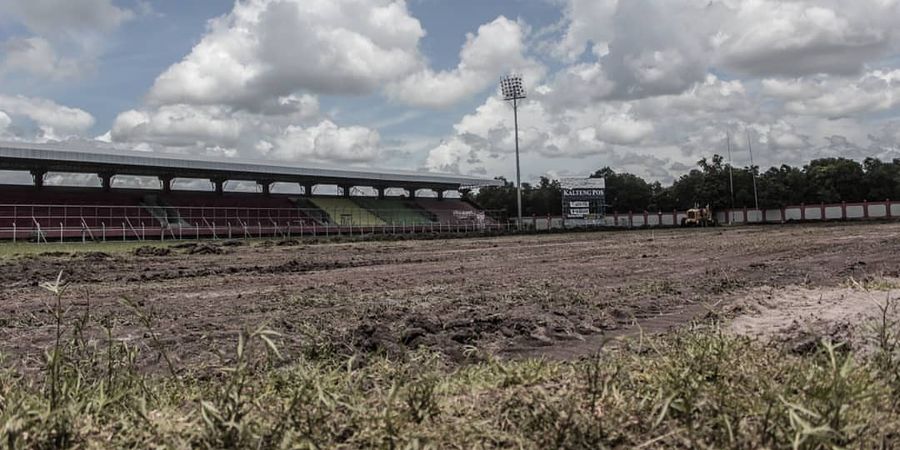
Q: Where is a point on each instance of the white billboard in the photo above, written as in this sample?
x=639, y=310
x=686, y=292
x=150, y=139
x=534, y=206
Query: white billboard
x=581, y=212
x=582, y=183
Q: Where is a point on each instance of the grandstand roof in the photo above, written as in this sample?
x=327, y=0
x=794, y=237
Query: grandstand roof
x=80, y=158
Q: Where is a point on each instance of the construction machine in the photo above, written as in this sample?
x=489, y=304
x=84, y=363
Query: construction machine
x=699, y=217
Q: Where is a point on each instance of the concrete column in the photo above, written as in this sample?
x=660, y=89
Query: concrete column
x=166, y=184
x=381, y=192
x=266, y=186
x=220, y=185
x=106, y=181
x=308, y=189
x=440, y=194
x=38, y=177
x=346, y=190
x=412, y=192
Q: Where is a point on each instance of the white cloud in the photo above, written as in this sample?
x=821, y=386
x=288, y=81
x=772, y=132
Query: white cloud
x=651, y=52
x=273, y=48
x=647, y=48
x=498, y=48
x=590, y=23
x=64, y=39
x=52, y=17
x=53, y=120
x=324, y=142
x=336, y=47
x=838, y=97
x=765, y=37
x=177, y=126
x=790, y=89
x=300, y=136
x=36, y=56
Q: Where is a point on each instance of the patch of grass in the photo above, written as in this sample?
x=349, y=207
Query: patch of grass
x=873, y=283
x=697, y=388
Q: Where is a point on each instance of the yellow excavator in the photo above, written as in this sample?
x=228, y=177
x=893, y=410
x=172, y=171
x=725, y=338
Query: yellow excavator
x=699, y=217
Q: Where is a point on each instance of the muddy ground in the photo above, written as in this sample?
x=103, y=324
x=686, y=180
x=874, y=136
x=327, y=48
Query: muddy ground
x=556, y=296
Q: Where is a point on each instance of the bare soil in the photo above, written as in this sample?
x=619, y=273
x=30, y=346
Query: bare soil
x=557, y=296
x=798, y=317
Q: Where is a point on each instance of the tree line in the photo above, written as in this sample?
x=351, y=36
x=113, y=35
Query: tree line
x=826, y=180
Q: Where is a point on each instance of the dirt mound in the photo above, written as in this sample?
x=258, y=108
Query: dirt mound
x=200, y=248
x=205, y=249
x=55, y=254
x=95, y=256
x=149, y=250
x=799, y=318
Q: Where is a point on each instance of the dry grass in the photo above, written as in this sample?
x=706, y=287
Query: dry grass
x=697, y=388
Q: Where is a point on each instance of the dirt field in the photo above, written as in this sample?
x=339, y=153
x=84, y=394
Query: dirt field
x=558, y=296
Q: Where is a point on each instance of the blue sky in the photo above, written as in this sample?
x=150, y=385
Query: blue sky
x=646, y=86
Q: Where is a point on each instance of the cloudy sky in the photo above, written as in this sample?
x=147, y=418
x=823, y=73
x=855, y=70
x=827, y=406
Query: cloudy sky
x=647, y=86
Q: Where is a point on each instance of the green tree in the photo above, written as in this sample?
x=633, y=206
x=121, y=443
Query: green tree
x=882, y=179
x=833, y=180
x=545, y=198
x=783, y=186
x=498, y=198
x=625, y=191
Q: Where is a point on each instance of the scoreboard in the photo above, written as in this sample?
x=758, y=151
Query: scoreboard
x=583, y=200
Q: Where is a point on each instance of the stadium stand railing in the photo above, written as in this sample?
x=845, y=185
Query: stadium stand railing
x=55, y=213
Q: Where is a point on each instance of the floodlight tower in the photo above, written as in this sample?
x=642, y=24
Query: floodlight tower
x=513, y=89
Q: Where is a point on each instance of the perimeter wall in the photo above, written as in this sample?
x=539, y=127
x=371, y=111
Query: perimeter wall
x=746, y=216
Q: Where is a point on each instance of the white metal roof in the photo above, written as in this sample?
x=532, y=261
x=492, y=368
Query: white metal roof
x=81, y=156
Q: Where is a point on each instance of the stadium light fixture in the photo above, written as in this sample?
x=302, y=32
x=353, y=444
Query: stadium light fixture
x=513, y=89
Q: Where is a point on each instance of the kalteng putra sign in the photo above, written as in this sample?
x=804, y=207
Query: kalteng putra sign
x=582, y=197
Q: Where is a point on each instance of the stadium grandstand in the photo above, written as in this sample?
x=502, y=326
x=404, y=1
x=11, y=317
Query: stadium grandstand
x=361, y=202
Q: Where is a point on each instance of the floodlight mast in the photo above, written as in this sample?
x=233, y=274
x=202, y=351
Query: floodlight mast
x=513, y=89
